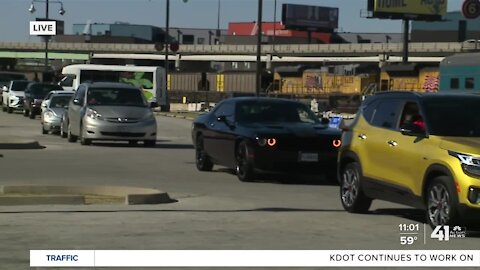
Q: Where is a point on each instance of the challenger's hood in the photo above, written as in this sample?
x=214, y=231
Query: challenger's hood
x=467, y=145
x=121, y=111
x=294, y=129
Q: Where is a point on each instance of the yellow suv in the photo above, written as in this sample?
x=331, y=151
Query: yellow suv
x=421, y=150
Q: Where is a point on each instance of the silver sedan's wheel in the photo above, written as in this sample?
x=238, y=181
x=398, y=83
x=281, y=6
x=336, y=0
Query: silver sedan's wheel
x=70, y=136
x=63, y=134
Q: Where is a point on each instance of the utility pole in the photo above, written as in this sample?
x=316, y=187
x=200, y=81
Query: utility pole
x=46, y=39
x=259, y=48
x=167, y=47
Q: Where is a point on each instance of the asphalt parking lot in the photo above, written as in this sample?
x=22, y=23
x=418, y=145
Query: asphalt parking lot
x=213, y=210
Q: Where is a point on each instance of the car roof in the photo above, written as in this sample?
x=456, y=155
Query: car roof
x=21, y=81
x=110, y=84
x=269, y=99
x=41, y=83
x=423, y=96
x=61, y=92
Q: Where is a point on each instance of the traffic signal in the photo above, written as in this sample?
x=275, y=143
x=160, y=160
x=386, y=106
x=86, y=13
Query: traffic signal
x=174, y=46
x=159, y=46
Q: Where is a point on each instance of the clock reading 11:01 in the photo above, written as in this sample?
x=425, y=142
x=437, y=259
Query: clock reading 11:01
x=409, y=227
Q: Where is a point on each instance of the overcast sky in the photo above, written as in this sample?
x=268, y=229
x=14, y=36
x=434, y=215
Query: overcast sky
x=14, y=15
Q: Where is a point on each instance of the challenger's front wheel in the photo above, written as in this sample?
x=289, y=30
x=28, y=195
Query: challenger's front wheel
x=244, y=169
x=202, y=160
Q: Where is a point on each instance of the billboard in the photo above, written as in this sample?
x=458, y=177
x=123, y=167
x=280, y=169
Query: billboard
x=310, y=18
x=429, y=10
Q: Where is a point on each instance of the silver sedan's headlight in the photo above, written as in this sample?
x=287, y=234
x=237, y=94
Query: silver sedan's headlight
x=94, y=114
x=470, y=164
x=49, y=116
x=148, y=117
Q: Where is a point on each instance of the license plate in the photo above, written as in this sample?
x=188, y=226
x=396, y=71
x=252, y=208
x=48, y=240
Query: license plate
x=308, y=157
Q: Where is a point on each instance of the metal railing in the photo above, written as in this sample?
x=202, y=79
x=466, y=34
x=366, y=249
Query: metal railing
x=292, y=49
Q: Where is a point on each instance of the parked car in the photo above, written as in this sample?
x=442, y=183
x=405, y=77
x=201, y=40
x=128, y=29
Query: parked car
x=34, y=95
x=53, y=108
x=421, y=150
x=6, y=77
x=253, y=134
x=13, y=96
x=110, y=111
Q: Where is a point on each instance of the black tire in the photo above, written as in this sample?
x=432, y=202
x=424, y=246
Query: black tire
x=4, y=108
x=31, y=115
x=26, y=112
x=63, y=134
x=149, y=143
x=70, y=137
x=9, y=110
x=83, y=140
x=44, y=131
x=441, y=201
x=244, y=167
x=351, y=194
x=202, y=160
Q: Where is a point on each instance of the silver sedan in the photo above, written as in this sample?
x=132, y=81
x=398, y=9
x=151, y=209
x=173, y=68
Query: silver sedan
x=110, y=111
x=53, y=109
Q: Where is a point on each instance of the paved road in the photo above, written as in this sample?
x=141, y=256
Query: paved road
x=214, y=210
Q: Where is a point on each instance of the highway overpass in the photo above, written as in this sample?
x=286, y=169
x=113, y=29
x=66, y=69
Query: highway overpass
x=17, y=49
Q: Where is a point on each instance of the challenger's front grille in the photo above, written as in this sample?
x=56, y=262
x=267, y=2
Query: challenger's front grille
x=123, y=134
x=319, y=143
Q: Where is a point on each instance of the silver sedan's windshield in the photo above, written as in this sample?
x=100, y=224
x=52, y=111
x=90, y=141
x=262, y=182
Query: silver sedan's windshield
x=116, y=97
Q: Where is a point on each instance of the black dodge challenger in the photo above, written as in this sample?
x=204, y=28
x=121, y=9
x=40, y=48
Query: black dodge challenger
x=252, y=134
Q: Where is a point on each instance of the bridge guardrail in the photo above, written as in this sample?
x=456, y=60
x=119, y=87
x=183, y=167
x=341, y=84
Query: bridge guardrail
x=289, y=49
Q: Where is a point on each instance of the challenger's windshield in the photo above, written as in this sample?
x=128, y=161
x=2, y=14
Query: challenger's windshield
x=264, y=111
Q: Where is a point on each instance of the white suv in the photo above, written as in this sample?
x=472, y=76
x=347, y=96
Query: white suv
x=13, y=96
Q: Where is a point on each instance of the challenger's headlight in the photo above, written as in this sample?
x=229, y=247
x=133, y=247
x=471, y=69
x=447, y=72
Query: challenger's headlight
x=93, y=114
x=266, y=141
x=470, y=164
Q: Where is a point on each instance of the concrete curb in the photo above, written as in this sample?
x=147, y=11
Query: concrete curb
x=76, y=194
x=176, y=116
x=19, y=144
x=9, y=200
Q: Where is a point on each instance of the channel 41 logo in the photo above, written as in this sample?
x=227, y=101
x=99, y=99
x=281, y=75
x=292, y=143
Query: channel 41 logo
x=445, y=233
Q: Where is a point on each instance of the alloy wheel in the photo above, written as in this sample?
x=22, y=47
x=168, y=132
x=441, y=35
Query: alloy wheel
x=438, y=205
x=350, y=185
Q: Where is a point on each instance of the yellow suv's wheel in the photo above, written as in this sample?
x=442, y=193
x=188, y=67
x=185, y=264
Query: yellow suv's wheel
x=351, y=194
x=441, y=202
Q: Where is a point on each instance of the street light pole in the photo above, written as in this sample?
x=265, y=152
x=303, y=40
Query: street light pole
x=218, y=21
x=259, y=48
x=167, y=44
x=46, y=38
x=274, y=24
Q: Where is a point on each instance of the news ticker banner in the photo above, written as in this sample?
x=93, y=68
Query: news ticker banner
x=255, y=258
